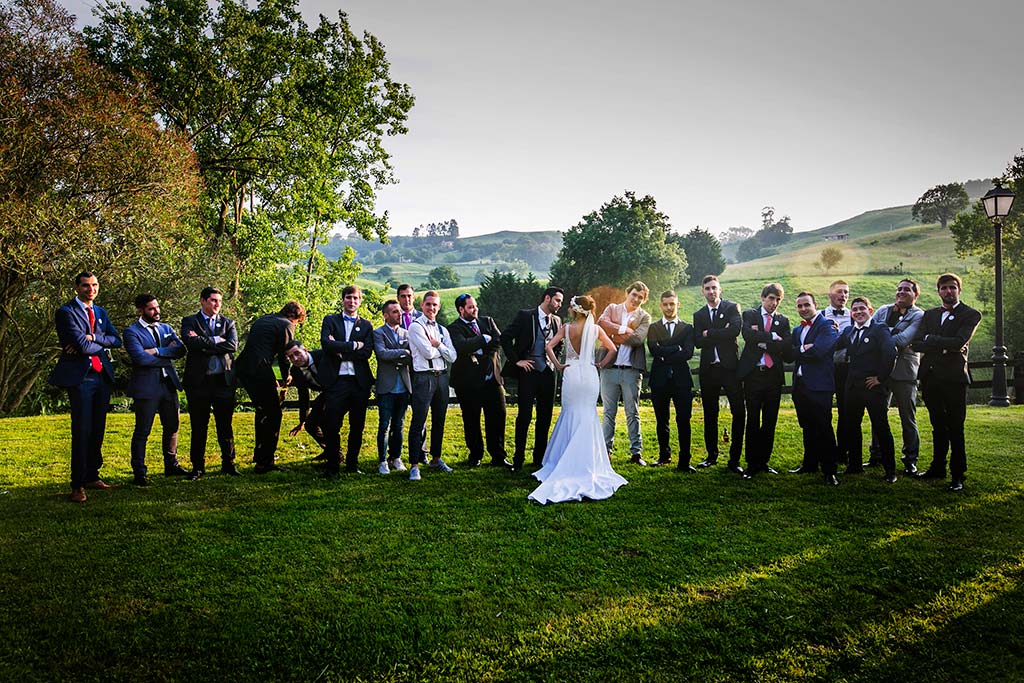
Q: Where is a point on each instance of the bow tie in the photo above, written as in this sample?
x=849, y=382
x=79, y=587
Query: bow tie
x=806, y=323
x=838, y=311
x=349, y=318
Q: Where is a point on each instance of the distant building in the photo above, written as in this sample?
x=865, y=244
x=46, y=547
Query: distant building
x=839, y=237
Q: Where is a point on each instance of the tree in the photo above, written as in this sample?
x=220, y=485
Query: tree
x=503, y=294
x=734, y=235
x=623, y=241
x=830, y=258
x=88, y=182
x=940, y=204
x=287, y=122
x=442, y=277
x=703, y=254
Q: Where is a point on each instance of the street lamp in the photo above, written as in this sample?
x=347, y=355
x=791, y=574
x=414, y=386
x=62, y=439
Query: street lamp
x=997, y=206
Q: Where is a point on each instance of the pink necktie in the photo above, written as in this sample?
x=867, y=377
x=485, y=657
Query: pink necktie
x=768, y=362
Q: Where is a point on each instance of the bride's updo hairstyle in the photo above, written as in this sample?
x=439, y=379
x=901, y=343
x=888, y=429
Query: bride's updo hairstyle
x=581, y=305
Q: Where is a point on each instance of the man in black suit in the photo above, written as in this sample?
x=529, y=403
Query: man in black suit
x=477, y=381
x=209, y=380
x=347, y=341
x=716, y=327
x=266, y=342
x=767, y=342
x=152, y=347
x=84, y=368
x=670, y=341
x=943, y=340
x=305, y=377
x=526, y=361
x=871, y=355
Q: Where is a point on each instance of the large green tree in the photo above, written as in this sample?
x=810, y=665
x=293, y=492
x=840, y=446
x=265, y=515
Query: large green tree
x=940, y=204
x=503, y=294
x=703, y=254
x=88, y=181
x=288, y=121
x=623, y=241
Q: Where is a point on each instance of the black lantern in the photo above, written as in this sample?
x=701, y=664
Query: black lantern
x=997, y=204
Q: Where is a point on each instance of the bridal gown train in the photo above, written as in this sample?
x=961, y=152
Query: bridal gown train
x=576, y=464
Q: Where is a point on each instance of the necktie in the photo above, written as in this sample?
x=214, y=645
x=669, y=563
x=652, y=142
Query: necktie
x=671, y=329
x=406, y=320
x=211, y=322
x=156, y=335
x=95, y=361
x=857, y=336
x=476, y=329
x=768, y=362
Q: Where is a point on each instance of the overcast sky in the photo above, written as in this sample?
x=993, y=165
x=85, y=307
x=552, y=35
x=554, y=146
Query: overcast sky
x=530, y=114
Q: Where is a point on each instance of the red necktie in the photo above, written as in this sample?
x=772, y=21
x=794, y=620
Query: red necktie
x=97, y=365
x=768, y=362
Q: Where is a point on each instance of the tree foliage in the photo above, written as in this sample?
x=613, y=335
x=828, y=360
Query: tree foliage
x=735, y=234
x=941, y=204
x=442, y=277
x=88, y=182
x=703, y=254
x=623, y=241
x=773, y=233
x=830, y=258
x=288, y=122
x=504, y=294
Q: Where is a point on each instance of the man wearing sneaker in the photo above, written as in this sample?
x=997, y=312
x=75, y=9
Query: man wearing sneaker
x=154, y=386
x=432, y=353
x=393, y=388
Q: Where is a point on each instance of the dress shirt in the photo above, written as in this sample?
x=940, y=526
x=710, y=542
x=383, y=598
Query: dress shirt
x=712, y=312
x=843, y=321
x=424, y=355
x=154, y=332
x=767, y=328
x=625, y=352
x=671, y=330
x=948, y=313
x=346, y=367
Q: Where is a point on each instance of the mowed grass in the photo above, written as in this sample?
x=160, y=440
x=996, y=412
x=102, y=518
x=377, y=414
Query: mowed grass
x=458, y=577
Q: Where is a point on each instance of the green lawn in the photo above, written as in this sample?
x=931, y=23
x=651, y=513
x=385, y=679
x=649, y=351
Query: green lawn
x=704, y=577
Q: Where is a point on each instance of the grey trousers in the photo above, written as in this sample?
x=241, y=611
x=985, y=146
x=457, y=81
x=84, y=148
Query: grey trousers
x=903, y=395
x=622, y=383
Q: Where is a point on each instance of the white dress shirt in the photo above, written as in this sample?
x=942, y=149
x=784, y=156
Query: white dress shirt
x=424, y=355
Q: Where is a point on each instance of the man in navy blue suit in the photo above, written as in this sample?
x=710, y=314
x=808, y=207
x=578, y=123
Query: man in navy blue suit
x=814, y=343
x=871, y=353
x=154, y=385
x=85, y=370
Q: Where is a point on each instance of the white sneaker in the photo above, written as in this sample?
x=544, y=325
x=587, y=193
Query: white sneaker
x=382, y=468
x=397, y=465
x=440, y=465
x=414, y=473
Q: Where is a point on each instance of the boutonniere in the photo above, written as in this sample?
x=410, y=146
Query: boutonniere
x=867, y=339
x=775, y=323
x=356, y=328
x=949, y=318
x=99, y=321
x=721, y=315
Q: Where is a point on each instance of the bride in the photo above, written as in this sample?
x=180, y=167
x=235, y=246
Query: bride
x=576, y=463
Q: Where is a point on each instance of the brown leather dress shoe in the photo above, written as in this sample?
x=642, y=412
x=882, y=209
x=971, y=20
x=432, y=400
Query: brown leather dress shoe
x=98, y=484
x=77, y=496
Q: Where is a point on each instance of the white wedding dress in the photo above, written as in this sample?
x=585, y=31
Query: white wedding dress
x=576, y=464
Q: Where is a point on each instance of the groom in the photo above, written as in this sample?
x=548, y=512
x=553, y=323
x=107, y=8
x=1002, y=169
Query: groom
x=523, y=342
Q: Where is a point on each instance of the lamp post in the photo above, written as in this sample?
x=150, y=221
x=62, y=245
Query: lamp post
x=997, y=206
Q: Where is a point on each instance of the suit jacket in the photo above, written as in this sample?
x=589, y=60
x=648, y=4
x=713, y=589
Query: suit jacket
x=722, y=334
x=393, y=358
x=308, y=377
x=874, y=356
x=518, y=338
x=637, y=355
x=670, y=354
x=944, y=347
x=777, y=350
x=414, y=315
x=469, y=371
x=815, y=366
x=202, y=347
x=264, y=344
x=72, y=327
x=343, y=348
x=148, y=370
x=903, y=334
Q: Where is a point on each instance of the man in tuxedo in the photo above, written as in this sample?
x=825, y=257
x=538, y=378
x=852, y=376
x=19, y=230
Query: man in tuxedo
x=716, y=327
x=839, y=315
x=766, y=337
x=209, y=380
x=626, y=324
x=903, y=319
x=84, y=368
x=406, y=296
x=268, y=337
x=305, y=377
x=154, y=385
x=814, y=345
x=432, y=353
x=872, y=354
x=394, y=386
x=944, y=340
x=526, y=361
x=477, y=381
x=347, y=341
x=670, y=341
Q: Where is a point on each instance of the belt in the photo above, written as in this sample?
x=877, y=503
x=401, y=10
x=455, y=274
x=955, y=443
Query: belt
x=624, y=367
x=435, y=373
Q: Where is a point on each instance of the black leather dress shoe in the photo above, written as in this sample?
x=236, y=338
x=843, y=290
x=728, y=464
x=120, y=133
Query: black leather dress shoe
x=769, y=470
x=230, y=470
x=804, y=470
x=910, y=468
x=708, y=462
x=501, y=463
x=831, y=480
x=175, y=470
x=474, y=463
x=686, y=468
x=872, y=463
x=637, y=460
x=890, y=478
x=141, y=480
x=661, y=462
x=751, y=473
x=733, y=468
x=195, y=475
x=932, y=474
x=957, y=485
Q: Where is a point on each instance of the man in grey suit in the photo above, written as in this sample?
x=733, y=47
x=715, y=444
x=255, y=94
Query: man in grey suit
x=393, y=388
x=627, y=324
x=903, y=318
